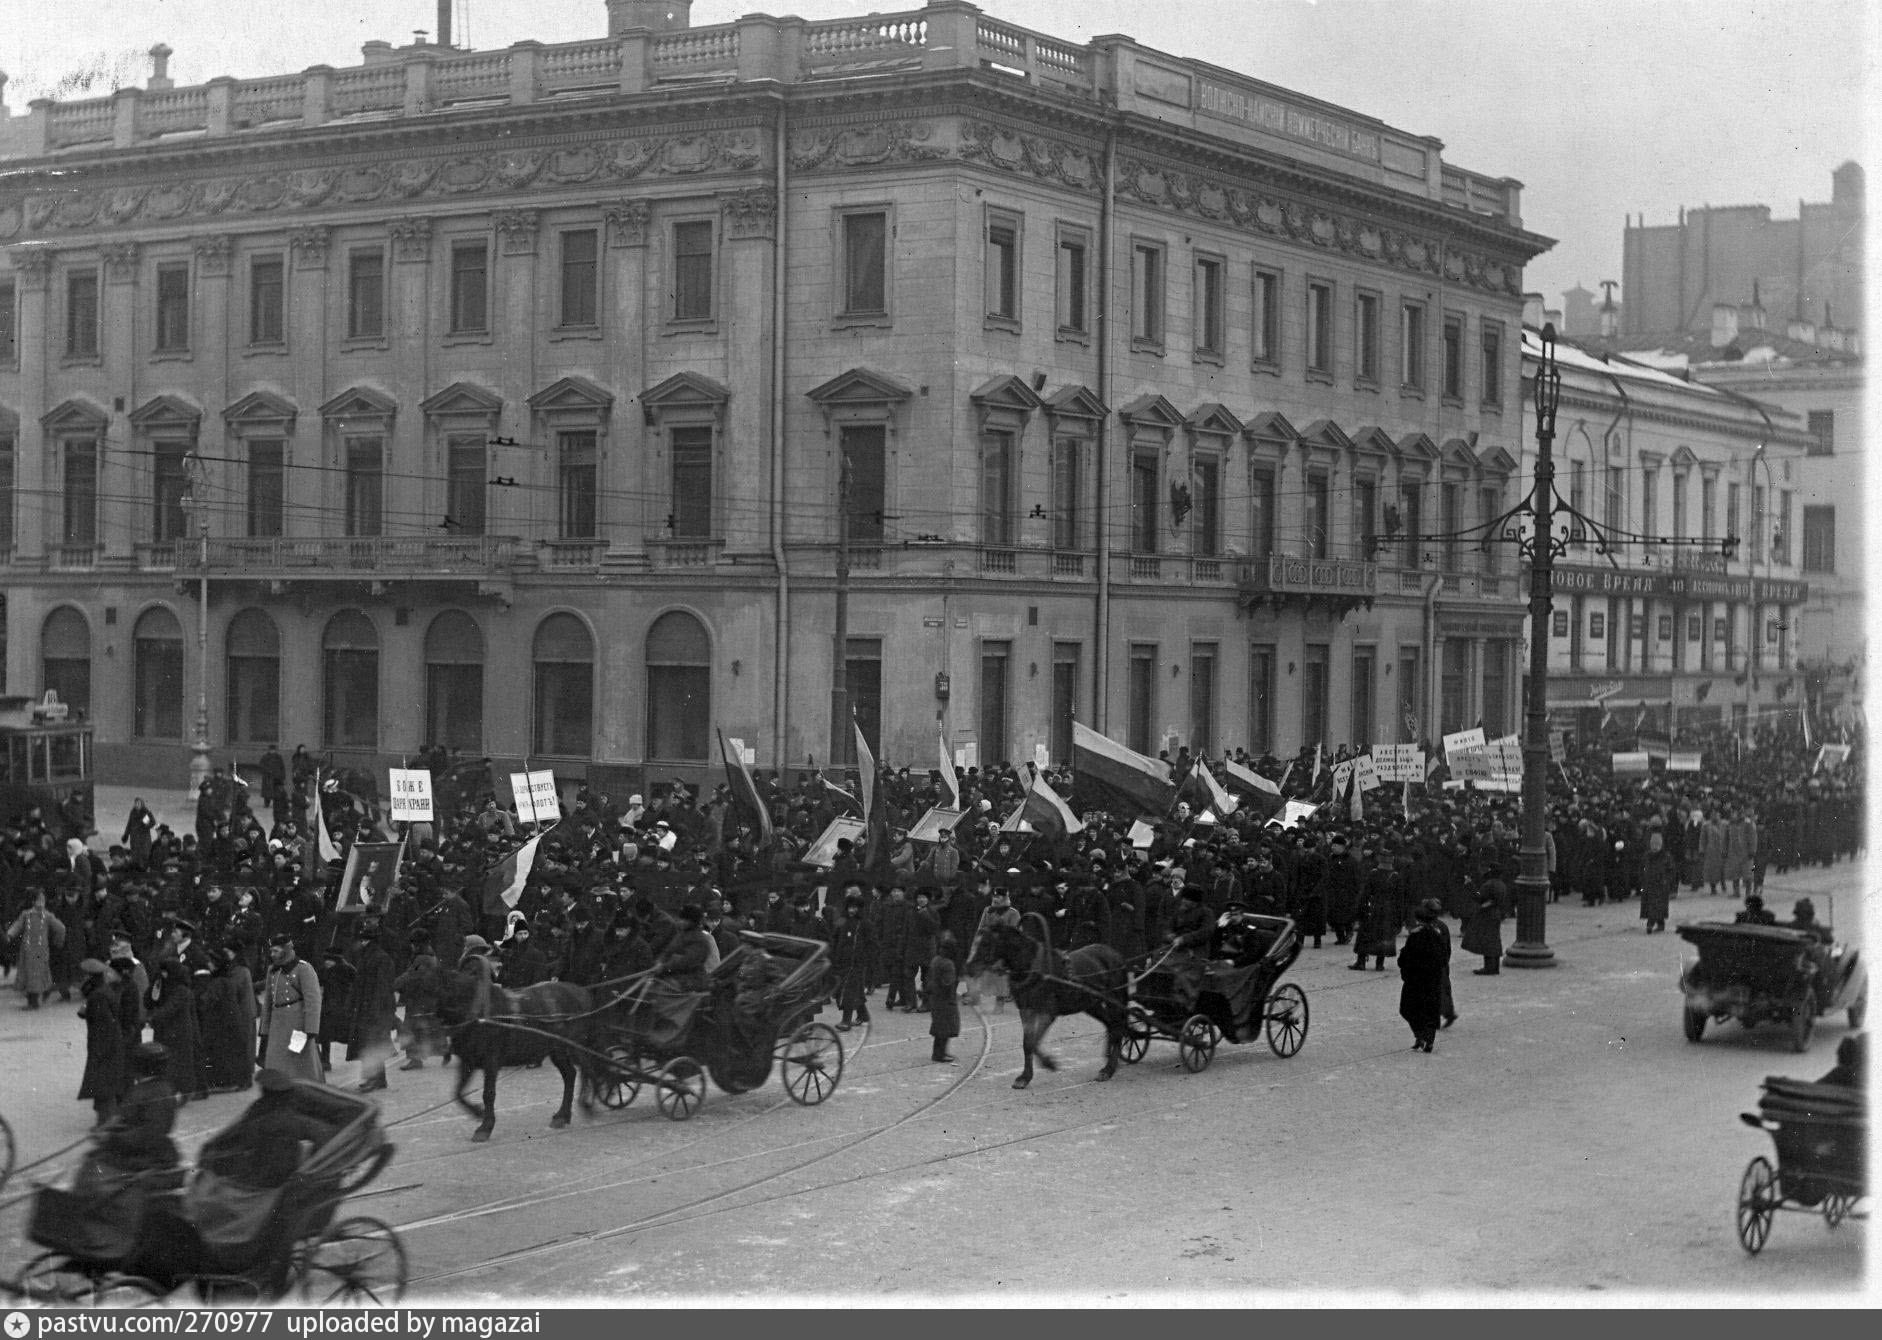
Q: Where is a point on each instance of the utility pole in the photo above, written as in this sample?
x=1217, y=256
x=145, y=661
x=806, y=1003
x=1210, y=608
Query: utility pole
x=1531, y=949
x=195, y=506
x=839, y=659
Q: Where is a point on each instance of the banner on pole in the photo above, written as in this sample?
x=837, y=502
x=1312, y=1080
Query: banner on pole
x=519, y=791
x=411, y=795
x=1461, y=741
x=1368, y=773
x=1684, y=761
x=543, y=798
x=1630, y=763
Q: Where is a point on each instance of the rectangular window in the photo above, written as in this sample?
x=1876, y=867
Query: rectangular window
x=1822, y=433
x=169, y=485
x=1264, y=324
x=81, y=314
x=1578, y=499
x=1065, y=659
x=1072, y=284
x=995, y=659
x=267, y=487
x=1002, y=268
x=865, y=264
x=1490, y=502
x=1261, y=701
x=1147, y=294
x=1208, y=305
x=1733, y=502
x=1366, y=338
x=1202, y=741
x=1614, y=509
x=1320, y=328
x=1492, y=364
x=1067, y=493
x=692, y=483
x=1144, y=503
x=1319, y=516
x=365, y=485
x=862, y=681
x=1366, y=518
x=1207, y=517
x=1819, y=539
x=9, y=324
x=1412, y=518
x=1708, y=509
x=466, y=485
x=1759, y=535
x=1313, y=693
x=1453, y=358
x=578, y=476
x=173, y=308
x=692, y=269
x=580, y=271
x=1143, y=698
x=865, y=452
x=470, y=288
x=1781, y=536
x=1650, y=504
x=1411, y=706
x=366, y=295
x=998, y=474
x=1496, y=688
x=1411, y=368
x=1453, y=685
x=1261, y=512
x=79, y=494
x=1679, y=505
x=267, y=300
x=8, y=481
x=1451, y=520
x=1359, y=724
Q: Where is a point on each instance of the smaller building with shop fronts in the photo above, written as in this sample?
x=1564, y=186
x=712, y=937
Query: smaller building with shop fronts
x=1679, y=605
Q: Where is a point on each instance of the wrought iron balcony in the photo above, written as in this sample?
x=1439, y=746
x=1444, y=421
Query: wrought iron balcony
x=1283, y=580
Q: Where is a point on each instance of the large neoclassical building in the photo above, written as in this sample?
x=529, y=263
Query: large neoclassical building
x=573, y=401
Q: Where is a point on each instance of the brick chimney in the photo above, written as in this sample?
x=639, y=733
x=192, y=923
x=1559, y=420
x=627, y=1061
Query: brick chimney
x=160, y=67
x=660, y=15
x=1724, y=324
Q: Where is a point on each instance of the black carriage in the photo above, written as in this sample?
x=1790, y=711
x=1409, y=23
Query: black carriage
x=759, y=1008
x=1236, y=997
x=1776, y=974
x=130, y=1237
x=1821, y=1132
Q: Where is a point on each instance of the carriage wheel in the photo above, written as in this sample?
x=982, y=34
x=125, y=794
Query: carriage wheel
x=52, y=1280
x=1695, y=1024
x=812, y=1062
x=1803, y=1019
x=1856, y=1011
x=1287, y=1020
x=619, y=1085
x=1757, y=1205
x=682, y=1088
x=1196, y=1044
x=1137, y=1034
x=354, y=1263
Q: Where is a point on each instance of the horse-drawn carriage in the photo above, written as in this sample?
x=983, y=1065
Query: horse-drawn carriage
x=125, y=1237
x=1759, y=974
x=1231, y=997
x=1821, y=1132
x=760, y=1007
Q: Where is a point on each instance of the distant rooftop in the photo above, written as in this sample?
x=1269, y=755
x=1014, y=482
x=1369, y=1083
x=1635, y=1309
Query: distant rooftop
x=427, y=81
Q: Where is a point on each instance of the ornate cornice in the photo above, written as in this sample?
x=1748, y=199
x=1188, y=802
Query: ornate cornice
x=751, y=213
x=310, y=246
x=517, y=228
x=868, y=144
x=213, y=255
x=121, y=262
x=627, y=222
x=411, y=238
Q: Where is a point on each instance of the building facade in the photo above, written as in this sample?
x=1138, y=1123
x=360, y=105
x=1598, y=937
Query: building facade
x=577, y=402
x=1694, y=615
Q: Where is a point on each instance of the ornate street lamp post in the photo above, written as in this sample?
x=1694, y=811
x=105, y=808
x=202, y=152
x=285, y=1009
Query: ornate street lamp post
x=196, y=508
x=1531, y=949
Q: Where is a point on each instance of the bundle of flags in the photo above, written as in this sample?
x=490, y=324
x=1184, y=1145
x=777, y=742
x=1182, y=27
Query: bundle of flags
x=745, y=791
x=1211, y=795
x=1119, y=780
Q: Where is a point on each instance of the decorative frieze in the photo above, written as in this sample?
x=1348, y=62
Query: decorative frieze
x=867, y=145
x=751, y=214
x=517, y=228
x=411, y=238
x=627, y=223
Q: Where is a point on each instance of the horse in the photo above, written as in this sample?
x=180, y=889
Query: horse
x=1046, y=984
x=492, y=1028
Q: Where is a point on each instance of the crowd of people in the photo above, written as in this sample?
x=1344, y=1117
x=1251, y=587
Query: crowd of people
x=225, y=944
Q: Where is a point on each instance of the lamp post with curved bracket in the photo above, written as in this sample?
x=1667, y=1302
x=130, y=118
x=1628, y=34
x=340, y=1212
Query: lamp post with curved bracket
x=195, y=506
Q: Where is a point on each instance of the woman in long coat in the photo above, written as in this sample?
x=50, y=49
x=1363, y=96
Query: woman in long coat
x=1422, y=966
x=944, y=1010
x=37, y=934
x=171, y=1008
x=1309, y=900
x=1712, y=854
x=375, y=1010
x=137, y=831
x=1379, y=919
x=104, y=1077
x=1657, y=878
x=852, y=956
x=225, y=1012
x=1483, y=928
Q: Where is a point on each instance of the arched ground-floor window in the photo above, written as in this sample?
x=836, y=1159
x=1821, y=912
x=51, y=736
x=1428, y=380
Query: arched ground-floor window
x=350, y=681
x=564, y=659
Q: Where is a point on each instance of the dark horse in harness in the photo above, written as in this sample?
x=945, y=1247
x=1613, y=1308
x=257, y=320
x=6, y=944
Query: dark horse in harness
x=1047, y=984
x=491, y=1028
